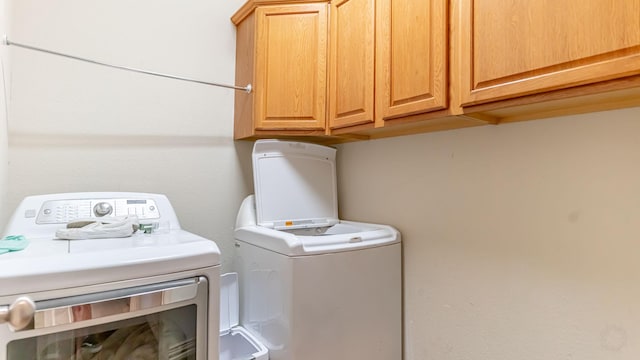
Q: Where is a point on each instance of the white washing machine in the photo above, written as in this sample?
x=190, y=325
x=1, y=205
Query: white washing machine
x=312, y=286
x=151, y=295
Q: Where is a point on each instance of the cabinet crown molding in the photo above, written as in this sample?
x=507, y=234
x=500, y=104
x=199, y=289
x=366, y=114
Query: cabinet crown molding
x=251, y=5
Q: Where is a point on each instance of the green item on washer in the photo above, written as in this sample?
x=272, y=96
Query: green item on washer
x=147, y=228
x=13, y=243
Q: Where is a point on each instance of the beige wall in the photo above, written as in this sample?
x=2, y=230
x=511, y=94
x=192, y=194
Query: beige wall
x=82, y=127
x=521, y=241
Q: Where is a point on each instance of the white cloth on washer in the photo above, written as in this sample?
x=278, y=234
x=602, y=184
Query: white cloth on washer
x=99, y=228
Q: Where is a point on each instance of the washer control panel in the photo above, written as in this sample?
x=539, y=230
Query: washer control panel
x=64, y=211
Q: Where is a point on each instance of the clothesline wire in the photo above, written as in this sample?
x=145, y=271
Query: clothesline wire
x=34, y=48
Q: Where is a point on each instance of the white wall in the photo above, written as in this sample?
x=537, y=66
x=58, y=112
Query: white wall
x=75, y=126
x=521, y=241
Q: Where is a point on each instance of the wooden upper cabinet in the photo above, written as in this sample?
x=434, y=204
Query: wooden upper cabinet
x=351, y=72
x=343, y=68
x=411, y=57
x=291, y=62
x=513, y=48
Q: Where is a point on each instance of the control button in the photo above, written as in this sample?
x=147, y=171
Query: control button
x=152, y=208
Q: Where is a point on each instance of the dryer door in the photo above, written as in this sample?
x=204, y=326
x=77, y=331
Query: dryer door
x=158, y=321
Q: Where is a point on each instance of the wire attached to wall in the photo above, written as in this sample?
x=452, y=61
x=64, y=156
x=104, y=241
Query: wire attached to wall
x=6, y=42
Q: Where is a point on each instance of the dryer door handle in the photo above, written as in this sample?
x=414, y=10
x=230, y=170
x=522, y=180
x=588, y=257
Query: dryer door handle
x=93, y=306
x=19, y=314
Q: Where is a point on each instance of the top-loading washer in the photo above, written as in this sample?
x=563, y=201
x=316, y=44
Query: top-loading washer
x=313, y=286
x=151, y=295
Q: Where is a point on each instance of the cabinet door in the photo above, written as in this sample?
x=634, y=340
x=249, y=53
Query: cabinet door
x=291, y=63
x=411, y=57
x=511, y=48
x=351, y=75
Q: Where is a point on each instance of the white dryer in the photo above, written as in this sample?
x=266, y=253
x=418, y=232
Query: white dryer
x=314, y=287
x=150, y=295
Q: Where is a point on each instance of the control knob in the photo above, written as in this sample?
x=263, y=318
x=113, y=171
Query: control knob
x=102, y=209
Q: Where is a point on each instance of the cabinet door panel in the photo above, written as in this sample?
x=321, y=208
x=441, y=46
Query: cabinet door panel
x=351, y=77
x=513, y=48
x=411, y=57
x=291, y=61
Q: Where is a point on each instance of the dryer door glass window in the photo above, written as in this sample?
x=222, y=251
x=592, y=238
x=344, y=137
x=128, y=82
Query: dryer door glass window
x=165, y=320
x=169, y=334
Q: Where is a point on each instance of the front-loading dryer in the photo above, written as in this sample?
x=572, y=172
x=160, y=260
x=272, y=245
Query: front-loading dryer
x=151, y=295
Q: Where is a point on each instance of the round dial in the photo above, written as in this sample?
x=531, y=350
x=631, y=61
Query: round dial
x=102, y=209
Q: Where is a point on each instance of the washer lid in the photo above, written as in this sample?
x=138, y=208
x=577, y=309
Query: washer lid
x=295, y=184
